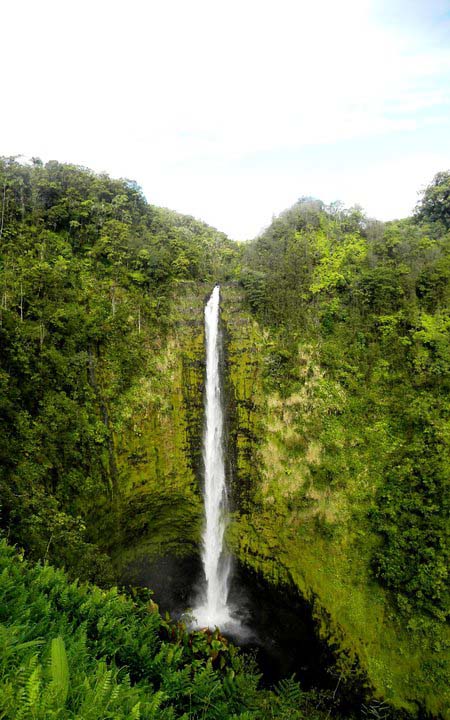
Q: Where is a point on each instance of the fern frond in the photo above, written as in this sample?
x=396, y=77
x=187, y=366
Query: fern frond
x=59, y=670
x=33, y=688
x=290, y=696
x=136, y=712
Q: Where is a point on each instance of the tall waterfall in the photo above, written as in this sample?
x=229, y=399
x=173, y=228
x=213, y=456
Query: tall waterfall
x=214, y=609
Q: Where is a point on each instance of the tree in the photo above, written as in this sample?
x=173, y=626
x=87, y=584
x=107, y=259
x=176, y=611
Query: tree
x=435, y=203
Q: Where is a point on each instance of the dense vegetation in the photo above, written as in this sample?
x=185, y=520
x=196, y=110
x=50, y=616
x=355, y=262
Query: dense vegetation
x=88, y=270
x=340, y=419
x=75, y=651
x=375, y=301
x=353, y=494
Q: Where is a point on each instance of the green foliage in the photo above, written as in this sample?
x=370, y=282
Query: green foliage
x=294, y=703
x=435, y=203
x=88, y=270
x=412, y=515
x=59, y=670
x=113, y=657
x=355, y=317
x=374, y=300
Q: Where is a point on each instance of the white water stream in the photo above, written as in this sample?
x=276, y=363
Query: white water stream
x=213, y=609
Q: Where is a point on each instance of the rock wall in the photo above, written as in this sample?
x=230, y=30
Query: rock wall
x=295, y=527
x=157, y=511
x=288, y=524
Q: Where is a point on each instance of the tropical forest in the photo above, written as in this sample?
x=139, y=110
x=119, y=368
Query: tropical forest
x=224, y=466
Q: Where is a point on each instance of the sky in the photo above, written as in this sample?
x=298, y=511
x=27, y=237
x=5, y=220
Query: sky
x=231, y=110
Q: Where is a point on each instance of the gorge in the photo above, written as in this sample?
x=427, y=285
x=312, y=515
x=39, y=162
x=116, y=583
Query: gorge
x=335, y=396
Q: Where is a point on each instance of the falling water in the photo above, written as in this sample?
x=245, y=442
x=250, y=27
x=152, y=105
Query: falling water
x=214, y=609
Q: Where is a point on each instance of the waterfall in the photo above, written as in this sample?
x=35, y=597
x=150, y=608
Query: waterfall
x=214, y=609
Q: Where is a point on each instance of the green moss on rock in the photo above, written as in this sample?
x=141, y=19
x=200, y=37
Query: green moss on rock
x=295, y=526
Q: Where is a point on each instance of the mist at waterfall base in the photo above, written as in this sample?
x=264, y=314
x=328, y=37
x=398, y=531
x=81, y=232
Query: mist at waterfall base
x=274, y=622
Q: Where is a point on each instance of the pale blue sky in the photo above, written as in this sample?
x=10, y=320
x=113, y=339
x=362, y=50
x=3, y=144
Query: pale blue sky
x=232, y=110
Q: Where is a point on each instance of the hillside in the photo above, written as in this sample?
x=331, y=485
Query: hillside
x=91, y=333
x=350, y=418
x=337, y=353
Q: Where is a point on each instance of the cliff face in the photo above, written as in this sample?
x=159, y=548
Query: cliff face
x=337, y=412
x=157, y=509
x=295, y=526
x=289, y=523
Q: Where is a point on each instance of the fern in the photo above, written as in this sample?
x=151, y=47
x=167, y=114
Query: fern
x=59, y=670
x=136, y=712
x=155, y=703
x=120, y=667
x=30, y=695
x=290, y=698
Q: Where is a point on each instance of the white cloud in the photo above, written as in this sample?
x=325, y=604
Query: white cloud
x=175, y=94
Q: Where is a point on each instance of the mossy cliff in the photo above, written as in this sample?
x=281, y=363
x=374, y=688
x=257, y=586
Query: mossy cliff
x=157, y=508
x=294, y=526
x=338, y=411
x=245, y=398
x=290, y=523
